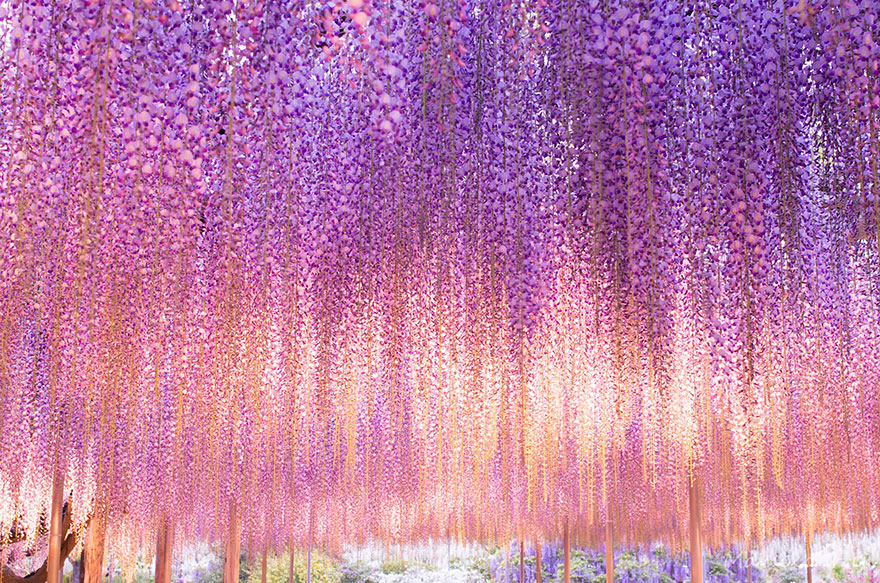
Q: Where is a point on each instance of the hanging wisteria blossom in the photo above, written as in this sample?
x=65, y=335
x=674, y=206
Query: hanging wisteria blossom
x=399, y=269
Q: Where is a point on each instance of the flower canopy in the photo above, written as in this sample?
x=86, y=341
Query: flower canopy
x=400, y=269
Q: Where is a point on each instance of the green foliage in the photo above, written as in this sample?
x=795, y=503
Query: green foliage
x=531, y=563
x=212, y=573
x=584, y=569
x=785, y=573
x=659, y=552
x=476, y=568
x=356, y=573
x=142, y=573
x=717, y=568
x=634, y=567
x=324, y=568
x=861, y=569
x=394, y=567
x=480, y=565
x=244, y=570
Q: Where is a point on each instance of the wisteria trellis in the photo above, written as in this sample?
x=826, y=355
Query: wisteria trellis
x=396, y=269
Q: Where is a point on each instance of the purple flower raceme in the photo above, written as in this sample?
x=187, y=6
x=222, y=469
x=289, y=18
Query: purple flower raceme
x=373, y=268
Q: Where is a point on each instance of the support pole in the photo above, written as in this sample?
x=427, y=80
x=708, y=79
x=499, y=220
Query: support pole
x=609, y=553
x=566, y=554
x=522, y=563
x=695, y=532
x=53, y=563
x=164, y=547
x=538, y=569
x=233, y=550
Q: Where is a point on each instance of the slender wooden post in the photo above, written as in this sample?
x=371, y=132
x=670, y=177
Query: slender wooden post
x=233, y=550
x=164, y=547
x=522, y=562
x=53, y=563
x=809, y=561
x=566, y=554
x=538, y=569
x=695, y=532
x=609, y=552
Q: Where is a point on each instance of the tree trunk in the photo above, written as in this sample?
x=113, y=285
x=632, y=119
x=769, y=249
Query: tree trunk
x=7, y=575
x=164, y=548
x=56, y=536
x=93, y=550
x=263, y=566
x=233, y=550
x=695, y=532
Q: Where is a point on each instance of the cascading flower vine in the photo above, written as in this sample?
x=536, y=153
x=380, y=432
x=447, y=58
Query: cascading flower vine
x=382, y=269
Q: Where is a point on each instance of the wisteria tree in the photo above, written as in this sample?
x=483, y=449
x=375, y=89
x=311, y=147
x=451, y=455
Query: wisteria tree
x=318, y=272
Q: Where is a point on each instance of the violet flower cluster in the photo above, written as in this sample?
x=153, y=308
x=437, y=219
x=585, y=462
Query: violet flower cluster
x=405, y=269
